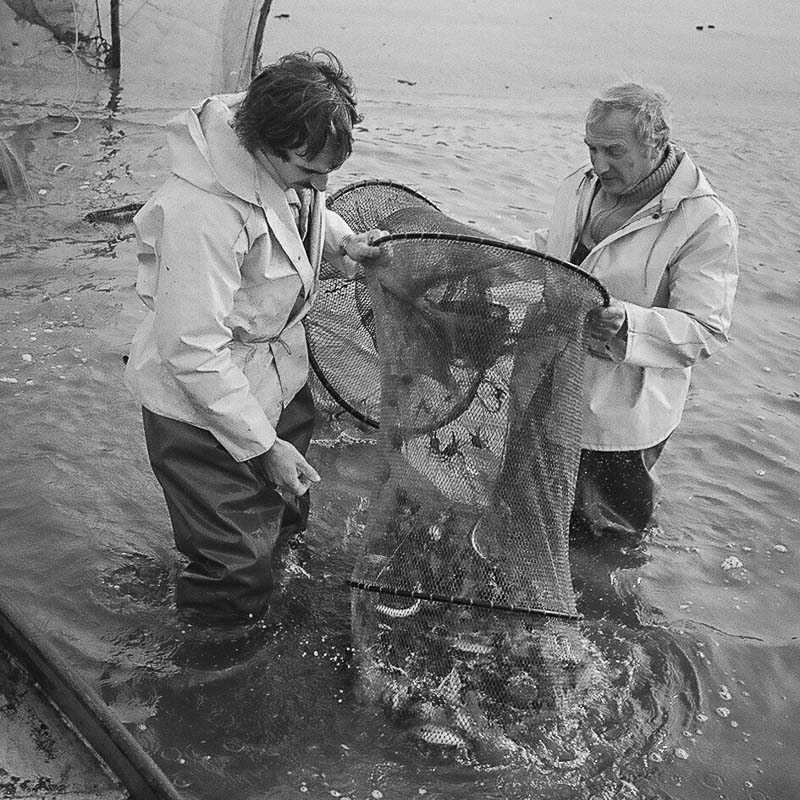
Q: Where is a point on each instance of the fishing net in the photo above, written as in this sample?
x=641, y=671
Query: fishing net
x=341, y=327
x=463, y=605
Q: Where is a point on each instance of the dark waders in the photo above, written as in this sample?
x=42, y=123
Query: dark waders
x=227, y=517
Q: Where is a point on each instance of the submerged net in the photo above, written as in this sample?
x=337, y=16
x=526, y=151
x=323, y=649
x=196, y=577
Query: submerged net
x=462, y=597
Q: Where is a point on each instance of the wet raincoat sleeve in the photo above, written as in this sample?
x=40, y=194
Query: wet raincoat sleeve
x=199, y=274
x=700, y=285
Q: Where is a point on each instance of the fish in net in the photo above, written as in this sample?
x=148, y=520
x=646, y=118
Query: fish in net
x=463, y=608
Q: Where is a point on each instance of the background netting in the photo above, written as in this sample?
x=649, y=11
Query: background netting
x=462, y=597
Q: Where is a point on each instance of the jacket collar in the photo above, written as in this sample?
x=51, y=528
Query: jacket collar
x=237, y=172
x=688, y=181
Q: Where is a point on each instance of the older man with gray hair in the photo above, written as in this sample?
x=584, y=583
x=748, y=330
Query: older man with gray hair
x=644, y=220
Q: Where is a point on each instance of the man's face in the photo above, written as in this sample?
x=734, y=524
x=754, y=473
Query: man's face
x=619, y=159
x=298, y=172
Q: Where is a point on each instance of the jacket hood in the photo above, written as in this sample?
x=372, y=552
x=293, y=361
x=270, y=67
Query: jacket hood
x=205, y=150
x=687, y=182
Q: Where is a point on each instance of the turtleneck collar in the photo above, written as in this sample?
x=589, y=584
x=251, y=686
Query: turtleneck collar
x=652, y=184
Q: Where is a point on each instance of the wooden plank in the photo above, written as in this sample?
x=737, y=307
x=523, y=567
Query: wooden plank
x=82, y=706
x=41, y=754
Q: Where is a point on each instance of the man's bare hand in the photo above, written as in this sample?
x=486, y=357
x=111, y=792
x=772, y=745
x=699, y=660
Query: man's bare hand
x=288, y=469
x=606, y=322
x=359, y=246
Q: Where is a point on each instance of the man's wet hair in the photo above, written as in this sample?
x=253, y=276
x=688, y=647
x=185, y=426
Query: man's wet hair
x=301, y=102
x=647, y=106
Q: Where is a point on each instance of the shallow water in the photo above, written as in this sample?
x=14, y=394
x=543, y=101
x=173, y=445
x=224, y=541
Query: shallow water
x=708, y=645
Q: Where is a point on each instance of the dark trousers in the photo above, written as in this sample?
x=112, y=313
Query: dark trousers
x=227, y=517
x=616, y=492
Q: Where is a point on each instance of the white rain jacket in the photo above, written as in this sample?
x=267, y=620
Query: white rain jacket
x=674, y=265
x=228, y=281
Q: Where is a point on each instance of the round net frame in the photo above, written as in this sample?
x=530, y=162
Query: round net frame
x=340, y=329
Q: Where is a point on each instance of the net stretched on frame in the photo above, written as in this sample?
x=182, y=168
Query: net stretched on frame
x=462, y=597
x=341, y=326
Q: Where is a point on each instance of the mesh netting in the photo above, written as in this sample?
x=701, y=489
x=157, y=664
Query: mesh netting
x=462, y=597
x=341, y=327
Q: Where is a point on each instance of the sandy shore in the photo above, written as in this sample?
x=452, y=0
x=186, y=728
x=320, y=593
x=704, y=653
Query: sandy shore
x=734, y=58
x=730, y=56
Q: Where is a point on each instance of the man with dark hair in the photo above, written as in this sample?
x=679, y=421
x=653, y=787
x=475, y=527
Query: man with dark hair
x=229, y=252
x=643, y=219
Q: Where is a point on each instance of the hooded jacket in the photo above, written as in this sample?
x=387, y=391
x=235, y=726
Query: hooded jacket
x=674, y=266
x=227, y=281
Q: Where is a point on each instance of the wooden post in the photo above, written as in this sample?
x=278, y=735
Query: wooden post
x=258, y=40
x=113, y=60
